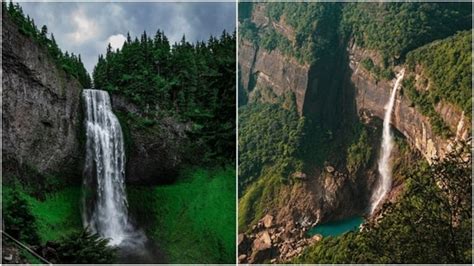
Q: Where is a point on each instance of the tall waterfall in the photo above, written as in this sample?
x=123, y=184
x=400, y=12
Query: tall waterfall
x=385, y=168
x=105, y=210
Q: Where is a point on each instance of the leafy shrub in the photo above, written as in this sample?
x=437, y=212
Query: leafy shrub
x=18, y=218
x=83, y=247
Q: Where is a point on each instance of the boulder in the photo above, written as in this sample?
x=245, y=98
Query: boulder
x=330, y=169
x=316, y=238
x=242, y=258
x=262, y=248
x=299, y=175
x=267, y=221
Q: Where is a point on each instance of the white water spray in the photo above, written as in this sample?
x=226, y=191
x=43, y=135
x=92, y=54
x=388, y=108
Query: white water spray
x=104, y=173
x=384, y=166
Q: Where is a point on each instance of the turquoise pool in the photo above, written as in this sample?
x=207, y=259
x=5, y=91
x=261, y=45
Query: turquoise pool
x=338, y=227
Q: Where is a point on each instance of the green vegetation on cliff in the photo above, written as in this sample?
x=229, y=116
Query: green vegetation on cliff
x=383, y=72
x=358, y=153
x=447, y=64
x=431, y=223
x=396, y=28
x=269, y=134
x=70, y=63
x=192, y=82
x=194, y=218
x=312, y=25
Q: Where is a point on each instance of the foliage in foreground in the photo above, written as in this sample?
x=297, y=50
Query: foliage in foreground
x=54, y=222
x=18, y=218
x=57, y=215
x=192, y=219
x=83, y=247
x=430, y=224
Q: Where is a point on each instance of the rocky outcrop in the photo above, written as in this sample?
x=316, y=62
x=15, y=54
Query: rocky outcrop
x=41, y=111
x=155, y=151
x=371, y=97
x=275, y=243
x=261, y=68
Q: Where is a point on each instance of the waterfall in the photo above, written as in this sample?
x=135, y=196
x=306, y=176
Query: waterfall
x=385, y=168
x=105, y=202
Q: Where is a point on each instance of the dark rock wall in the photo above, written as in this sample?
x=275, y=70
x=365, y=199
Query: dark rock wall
x=155, y=153
x=41, y=110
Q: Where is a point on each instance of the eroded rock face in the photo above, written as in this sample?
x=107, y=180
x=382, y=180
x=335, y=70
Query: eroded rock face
x=41, y=110
x=371, y=97
x=271, y=69
x=155, y=153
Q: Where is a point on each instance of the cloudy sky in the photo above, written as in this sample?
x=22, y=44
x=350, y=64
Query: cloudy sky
x=87, y=28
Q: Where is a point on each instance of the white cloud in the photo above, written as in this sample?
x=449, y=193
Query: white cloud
x=116, y=41
x=85, y=27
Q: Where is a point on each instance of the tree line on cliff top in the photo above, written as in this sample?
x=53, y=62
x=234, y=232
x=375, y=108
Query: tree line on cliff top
x=189, y=81
x=70, y=63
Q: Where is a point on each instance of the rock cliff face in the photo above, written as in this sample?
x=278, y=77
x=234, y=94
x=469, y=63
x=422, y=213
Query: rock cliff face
x=154, y=153
x=261, y=68
x=41, y=110
x=371, y=97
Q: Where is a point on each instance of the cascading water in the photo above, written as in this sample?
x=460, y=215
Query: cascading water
x=385, y=168
x=105, y=202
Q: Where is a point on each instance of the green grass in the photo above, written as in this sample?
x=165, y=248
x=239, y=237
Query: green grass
x=57, y=215
x=193, y=219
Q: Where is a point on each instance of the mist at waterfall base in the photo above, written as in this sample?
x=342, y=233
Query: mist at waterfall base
x=384, y=184
x=105, y=202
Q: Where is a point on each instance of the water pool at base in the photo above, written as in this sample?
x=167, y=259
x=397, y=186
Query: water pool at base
x=338, y=227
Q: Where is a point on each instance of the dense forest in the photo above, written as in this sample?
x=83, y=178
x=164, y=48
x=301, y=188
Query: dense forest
x=446, y=63
x=190, y=81
x=277, y=146
x=397, y=28
x=70, y=63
